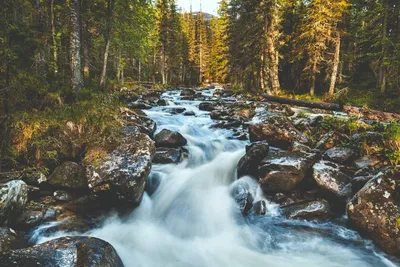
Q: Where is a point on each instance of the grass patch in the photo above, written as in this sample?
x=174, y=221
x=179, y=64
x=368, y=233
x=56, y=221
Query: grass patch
x=45, y=138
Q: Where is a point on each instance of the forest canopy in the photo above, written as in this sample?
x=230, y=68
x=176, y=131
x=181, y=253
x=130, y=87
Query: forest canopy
x=55, y=53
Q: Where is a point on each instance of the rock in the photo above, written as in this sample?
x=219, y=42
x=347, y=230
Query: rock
x=332, y=181
x=282, y=171
x=275, y=135
x=295, y=197
x=32, y=178
x=255, y=153
x=33, y=192
x=208, y=106
x=177, y=110
x=167, y=138
x=368, y=136
x=140, y=104
x=375, y=210
x=61, y=195
x=288, y=111
x=316, y=210
x=243, y=197
x=138, y=119
x=188, y=92
x=121, y=175
x=259, y=208
x=167, y=155
x=153, y=182
x=366, y=171
x=13, y=198
x=189, y=113
x=222, y=114
x=358, y=182
x=301, y=148
x=67, y=225
x=89, y=205
x=36, y=214
x=364, y=162
x=329, y=140
x=8, y=238
x=340, y=155
x=69, y=175
x=162, y=102
x=277, y=130
x=67, y=251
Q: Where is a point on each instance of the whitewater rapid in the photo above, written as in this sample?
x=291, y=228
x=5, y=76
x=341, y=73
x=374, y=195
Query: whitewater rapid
x=191, y=220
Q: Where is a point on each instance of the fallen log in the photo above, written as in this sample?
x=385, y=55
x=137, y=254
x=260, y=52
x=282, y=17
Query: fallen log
x=303, y=103
x=369, y=114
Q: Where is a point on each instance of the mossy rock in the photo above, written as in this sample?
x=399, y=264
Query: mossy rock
x=69, y=175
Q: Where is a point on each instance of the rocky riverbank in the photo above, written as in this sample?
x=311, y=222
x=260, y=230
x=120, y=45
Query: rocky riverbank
x=312, y=163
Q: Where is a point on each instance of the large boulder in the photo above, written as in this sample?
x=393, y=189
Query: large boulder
x=67, y=251
x=277, y=130
x=167, y=138
x=255, y=153
x=13, y=198
x=282, y=171
x=315, y=210
x=332, y=181
x=274, y=134
x=165, y=155
x=375, y=210
x=121, y=174
x=69, y=175
x=340, y=155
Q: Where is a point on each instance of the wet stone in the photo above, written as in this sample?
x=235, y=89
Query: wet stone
x=167, y=155
x=66, y=251
x=316, y=210
x=167, y=138
x=259, y=208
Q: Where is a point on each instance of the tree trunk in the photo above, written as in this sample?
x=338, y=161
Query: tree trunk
x=40, y=60
x=54, y=36
x=274, y=53
x=335, y=69
x=86, y=42
x=75, y=46
x=313, y=77
x=110, y=8
x=382, y=71
x=163, y=67
x=140, y=71
x=369, y=114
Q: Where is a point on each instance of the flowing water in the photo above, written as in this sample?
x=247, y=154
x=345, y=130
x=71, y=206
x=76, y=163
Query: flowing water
x=191, y=220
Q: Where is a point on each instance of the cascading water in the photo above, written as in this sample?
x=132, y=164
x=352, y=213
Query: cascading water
x=191, y=220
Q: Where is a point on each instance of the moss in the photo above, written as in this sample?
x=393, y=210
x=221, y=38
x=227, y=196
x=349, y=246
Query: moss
x=48, y=137
x=392, y=143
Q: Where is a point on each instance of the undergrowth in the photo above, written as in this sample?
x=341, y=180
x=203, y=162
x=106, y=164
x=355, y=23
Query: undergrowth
x=45, y=138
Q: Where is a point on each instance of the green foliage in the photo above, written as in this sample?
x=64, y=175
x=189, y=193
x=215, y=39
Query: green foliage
x=392, y=142
x=344, y=125
x=44, y=138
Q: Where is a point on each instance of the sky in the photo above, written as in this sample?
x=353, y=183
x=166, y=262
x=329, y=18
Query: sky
x=208, y=6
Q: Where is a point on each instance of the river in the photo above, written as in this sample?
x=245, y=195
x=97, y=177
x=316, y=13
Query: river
x=191, y=220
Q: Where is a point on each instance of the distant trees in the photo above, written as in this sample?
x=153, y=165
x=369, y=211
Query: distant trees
x=63, y=47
